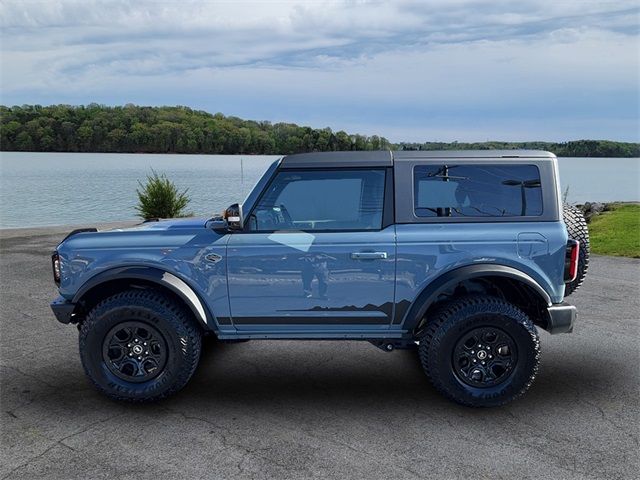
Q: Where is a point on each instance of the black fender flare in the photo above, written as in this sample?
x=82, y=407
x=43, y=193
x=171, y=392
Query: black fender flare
x=156, y=276
x=448, y=279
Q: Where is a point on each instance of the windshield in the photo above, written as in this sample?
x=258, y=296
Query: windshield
x=253, y=195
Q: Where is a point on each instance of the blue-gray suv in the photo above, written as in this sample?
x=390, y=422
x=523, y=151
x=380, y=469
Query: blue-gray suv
x=458, y=254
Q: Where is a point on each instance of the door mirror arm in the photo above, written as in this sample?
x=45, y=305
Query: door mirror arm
x=218, y=224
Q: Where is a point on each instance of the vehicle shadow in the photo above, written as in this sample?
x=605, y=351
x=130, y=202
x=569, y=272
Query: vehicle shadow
x=305, y=376
x=339, y=374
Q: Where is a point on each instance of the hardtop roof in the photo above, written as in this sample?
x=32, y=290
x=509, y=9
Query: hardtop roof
x=401, y=154
x=382, y=158
x=378, y=158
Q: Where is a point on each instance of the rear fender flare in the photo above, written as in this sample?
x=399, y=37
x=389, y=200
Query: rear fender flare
x=448, y=279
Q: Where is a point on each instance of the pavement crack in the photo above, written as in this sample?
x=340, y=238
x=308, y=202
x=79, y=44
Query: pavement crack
x=366, y=453
x=607, y=419
x=196, y=418
x=30, y=375
x=59, y=442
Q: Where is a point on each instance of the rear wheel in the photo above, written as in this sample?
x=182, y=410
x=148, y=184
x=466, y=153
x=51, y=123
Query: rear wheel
x=480, y=351
x=139, y=345
x=577, y=230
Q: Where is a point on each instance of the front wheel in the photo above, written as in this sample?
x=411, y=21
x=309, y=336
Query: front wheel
x=480, y=351
x=139, y=345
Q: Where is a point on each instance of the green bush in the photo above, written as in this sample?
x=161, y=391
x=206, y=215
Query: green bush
x=160, y=198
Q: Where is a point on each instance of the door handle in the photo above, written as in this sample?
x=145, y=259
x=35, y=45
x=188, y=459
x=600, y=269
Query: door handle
x=368, y=255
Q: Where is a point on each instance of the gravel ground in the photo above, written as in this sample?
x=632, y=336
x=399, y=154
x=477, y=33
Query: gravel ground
x=280, y=409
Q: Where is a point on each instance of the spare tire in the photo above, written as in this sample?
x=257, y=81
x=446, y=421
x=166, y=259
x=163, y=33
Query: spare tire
x=577, y=229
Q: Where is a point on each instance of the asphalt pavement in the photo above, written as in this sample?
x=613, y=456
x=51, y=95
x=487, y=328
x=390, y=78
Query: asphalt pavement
x=282, y=409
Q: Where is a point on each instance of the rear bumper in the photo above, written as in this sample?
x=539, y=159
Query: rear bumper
x=63, y=310
x=561, y=318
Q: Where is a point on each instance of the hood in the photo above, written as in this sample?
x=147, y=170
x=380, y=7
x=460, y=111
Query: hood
x=168, y=244
x=163, y=233
x=169, y=224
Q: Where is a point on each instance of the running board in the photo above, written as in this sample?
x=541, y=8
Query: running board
x=377, y=334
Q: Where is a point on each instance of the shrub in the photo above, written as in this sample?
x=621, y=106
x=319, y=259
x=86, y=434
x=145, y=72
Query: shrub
x=160, y=198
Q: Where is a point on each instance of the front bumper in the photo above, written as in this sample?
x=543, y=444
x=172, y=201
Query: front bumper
x=561, y=317
x=63, y=310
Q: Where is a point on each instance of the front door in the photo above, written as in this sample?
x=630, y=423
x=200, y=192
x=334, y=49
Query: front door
x=315, y=253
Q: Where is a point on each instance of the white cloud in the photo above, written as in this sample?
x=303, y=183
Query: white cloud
x=390, y=65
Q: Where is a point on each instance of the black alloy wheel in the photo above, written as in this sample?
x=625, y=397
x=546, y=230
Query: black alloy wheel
x=484, y=357
x=134, y=351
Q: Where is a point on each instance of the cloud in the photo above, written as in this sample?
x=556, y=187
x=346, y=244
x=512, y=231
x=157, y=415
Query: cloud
x=442, y=66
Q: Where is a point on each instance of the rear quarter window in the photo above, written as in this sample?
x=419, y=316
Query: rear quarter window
x=465, y=190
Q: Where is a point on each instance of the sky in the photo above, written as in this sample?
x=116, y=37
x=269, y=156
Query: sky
x=441, y=70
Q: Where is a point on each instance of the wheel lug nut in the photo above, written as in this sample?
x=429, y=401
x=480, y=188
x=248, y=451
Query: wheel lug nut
x=139, y=358
x=483, y=363
x=490, y=356
x=474, y=360
x=128, y=344
x=144, y=343
x=473, y=351
x=131, y=354
x=146, y=353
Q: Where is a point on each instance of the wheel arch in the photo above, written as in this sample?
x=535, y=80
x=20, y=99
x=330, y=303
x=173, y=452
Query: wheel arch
x=504, y=281
x=117, y=279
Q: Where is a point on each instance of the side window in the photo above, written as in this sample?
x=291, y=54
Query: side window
x=477, y=191
x=341, y=199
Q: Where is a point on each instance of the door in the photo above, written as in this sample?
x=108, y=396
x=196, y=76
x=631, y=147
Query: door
x=316, y=252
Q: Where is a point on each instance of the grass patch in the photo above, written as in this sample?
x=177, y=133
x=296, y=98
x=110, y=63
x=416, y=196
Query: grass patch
x=616, y=232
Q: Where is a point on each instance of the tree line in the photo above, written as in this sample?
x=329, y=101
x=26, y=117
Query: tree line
x=134, y=129
x=576, y=148
x=137, y=129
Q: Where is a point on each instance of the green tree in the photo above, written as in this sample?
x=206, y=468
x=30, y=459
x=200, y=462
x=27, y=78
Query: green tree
x=160, y=198
x=24, y=142
x=84, y=136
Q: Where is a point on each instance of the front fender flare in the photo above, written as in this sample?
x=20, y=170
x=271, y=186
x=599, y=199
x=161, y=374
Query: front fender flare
x=448, y=279
x=156, y=276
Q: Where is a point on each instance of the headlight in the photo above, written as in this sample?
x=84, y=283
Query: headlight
x=55, y=263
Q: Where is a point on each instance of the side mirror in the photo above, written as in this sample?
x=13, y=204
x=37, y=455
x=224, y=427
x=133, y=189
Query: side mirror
x=233, y=216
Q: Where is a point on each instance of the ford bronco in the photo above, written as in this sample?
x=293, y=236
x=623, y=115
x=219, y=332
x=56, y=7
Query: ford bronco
x=457, y=254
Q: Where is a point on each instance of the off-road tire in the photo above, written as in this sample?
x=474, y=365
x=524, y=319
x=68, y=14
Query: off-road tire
x=456, y=319
x=171, y=320
x=577, y=230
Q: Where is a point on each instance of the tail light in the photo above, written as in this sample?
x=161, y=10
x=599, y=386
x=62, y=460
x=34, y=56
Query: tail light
x=571, y=261
x=55, y=264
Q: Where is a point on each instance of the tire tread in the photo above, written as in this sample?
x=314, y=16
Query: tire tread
x=159, y=303
x=445, y=318
x=578, y=230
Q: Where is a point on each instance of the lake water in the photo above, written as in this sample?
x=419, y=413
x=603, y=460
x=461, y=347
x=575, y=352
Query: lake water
x=40, y=189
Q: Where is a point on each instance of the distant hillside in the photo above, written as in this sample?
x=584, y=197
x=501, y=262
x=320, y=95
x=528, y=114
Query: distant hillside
x=134, y=129
x=576, y=148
